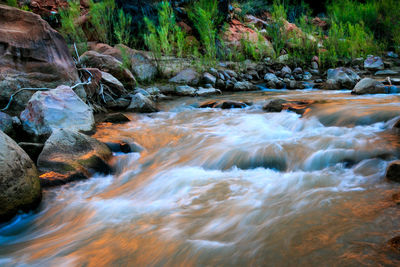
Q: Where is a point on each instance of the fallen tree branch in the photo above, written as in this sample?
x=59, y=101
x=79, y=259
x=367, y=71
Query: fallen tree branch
x=89, y=81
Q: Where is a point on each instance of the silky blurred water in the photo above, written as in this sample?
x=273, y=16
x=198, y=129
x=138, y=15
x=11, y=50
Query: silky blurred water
x=238, y=187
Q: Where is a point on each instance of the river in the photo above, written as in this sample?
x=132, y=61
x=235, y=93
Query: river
x=237, y=187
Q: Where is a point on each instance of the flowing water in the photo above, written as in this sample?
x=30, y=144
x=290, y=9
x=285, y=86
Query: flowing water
x=238, y=187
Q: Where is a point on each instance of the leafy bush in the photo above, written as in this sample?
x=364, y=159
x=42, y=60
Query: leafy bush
x=205, y=18
x=12, y=3
x=68, y=17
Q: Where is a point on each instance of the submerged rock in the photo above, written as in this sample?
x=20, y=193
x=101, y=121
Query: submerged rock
x=19, y=179
x=368, y=86
x=116, y=118
x=393, y=171
x=69, y=156
x=223, y=104
x=32, y=55
x=274, y=105
x=56, y=109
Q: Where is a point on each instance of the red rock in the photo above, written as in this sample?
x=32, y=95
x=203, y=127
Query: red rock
x=32, y=54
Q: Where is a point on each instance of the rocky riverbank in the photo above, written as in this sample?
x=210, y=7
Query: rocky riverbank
x=50, y=99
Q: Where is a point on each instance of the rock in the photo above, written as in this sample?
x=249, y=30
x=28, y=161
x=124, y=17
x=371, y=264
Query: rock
x=209, y=79
x=32, y=149
x=307, y=76
x=393, y=171
x=116, y=118
x=55, y=109
x=115, y=85
x=245, y=86
x=386, y=72
x=368, y=86
x=392, y=54
x=222, y=104
x=395, y=243
x=274, y=105
x=314, y=65
x=124, y=147
x=110, y=65
x=231, y=73
x=271, y=77
x=286, y=71
x=187, y=76
x=374, y=63
x=6, y=123
x=298, y=70
x=19, y=180
x=213, y=72
x=117, y=104
x=68, y=156
x=153, y=91
x=207, y=91
x=283, y=59
x=32, y=55
x=143, y=69
x=220, y=84
x=185, y=90
x=142, y=104
x=342, y=78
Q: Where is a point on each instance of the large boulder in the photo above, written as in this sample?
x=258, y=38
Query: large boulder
x=187, y=76
x=68, y=155
x=109, y=64
x=56, y=109
x=393, y=171
x=374, y=63
x=142, y=103
x=342, y=78
x=369, y=86
x=32, y=55
x=19, y=179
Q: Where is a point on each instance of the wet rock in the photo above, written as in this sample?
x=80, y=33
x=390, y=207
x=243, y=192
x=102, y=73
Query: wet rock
x=223, y=104
x=368, y=86
x=110, y=65
x=392, y=54
x=207, y=91
x=116, y=118
x=32, y=55
x=374, y=63
x=56, y=109
x=142, y=104
x=231, y=73
x=68, y=156
x=209, y=79
x=19, y=180
x=286, y=71
x=307, y=76
x=395, y=243
x=6, y=123
x=245, y=86
x=393, y=171
x=229, y=85
x=342, y=78
x=386, y=72
x=154, y=91
x=187, y=76
x=32, y=149
x=270, y=77
x=314, y=65
x=124, y=147
x=213, y=72
x=275, y=105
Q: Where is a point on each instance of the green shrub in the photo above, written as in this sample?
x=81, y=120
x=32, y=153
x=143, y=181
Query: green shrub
x=12, y=3
x=276, y=29
x=68, y=29
x=205, y=18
